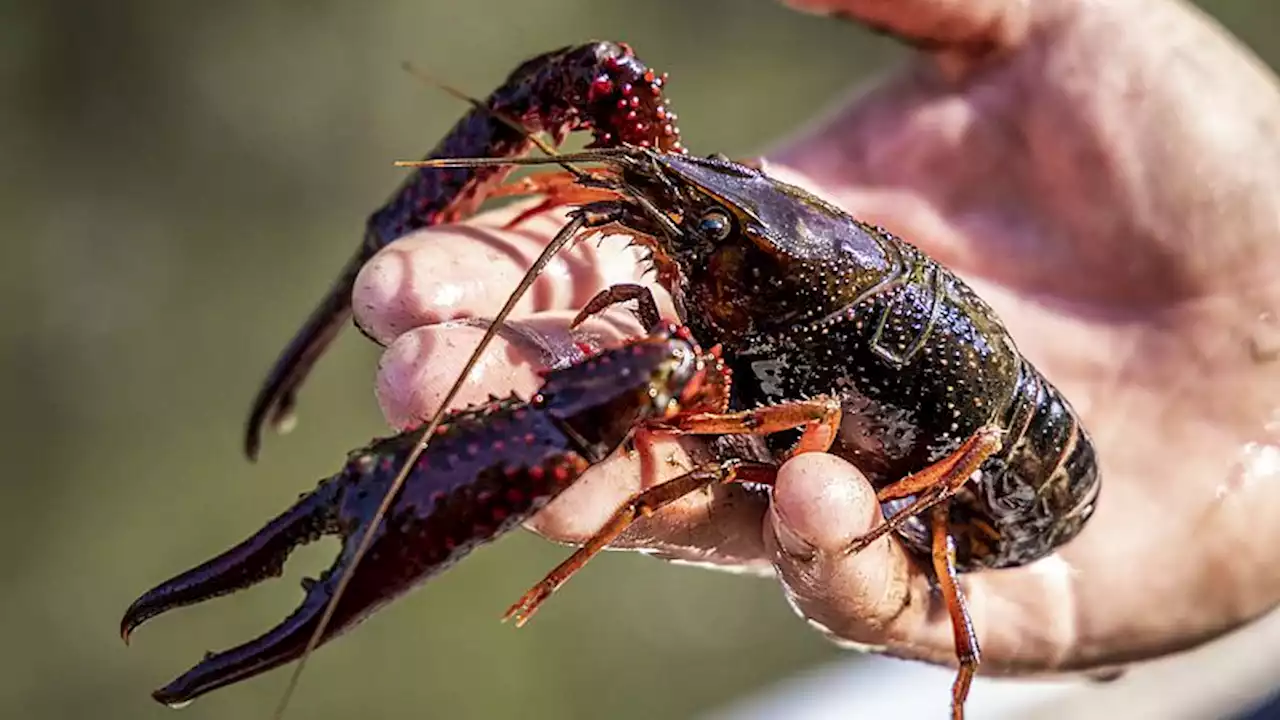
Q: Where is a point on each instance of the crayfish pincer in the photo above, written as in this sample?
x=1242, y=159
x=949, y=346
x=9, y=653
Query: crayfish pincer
x=600, y=87
x=486, y=470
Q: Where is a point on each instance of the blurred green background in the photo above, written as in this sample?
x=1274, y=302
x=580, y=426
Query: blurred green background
x=181, y=183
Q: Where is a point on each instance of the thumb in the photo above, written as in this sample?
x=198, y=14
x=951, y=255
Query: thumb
x=821, y=504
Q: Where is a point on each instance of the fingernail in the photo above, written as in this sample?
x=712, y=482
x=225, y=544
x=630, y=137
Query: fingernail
x=791, y=543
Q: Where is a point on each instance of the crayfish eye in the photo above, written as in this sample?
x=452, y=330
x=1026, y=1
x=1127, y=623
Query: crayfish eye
x=715, y=225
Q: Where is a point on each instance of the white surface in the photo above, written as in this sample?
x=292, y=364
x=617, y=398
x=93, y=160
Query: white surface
x=1216, y=681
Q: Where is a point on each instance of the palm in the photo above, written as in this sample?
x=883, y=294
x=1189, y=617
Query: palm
x=1141, y=301
x=1170, y=394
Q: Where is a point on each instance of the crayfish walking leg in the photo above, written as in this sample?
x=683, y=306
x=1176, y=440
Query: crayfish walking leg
x=643, y=504
x=934, y=486
x=966, y=640
x=819, y=419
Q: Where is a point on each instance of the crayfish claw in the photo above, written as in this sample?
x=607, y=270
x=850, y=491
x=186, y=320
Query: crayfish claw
x=274, y=404
x=282, y=644
x=260, y=557
x=343, y=505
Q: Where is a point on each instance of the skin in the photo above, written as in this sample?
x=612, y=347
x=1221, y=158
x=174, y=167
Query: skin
x=1106, y=175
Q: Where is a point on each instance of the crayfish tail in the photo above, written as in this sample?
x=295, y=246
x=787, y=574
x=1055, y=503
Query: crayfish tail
x=259, y=557
x=274, y=403
x=278, y=646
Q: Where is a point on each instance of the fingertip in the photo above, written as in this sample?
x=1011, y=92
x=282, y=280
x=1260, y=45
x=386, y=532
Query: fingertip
x=428, y=277
x=821, y=503
x=469, y=269
x=579, y=512
x=399, y=380
x=378, y=293
x=940, y=21
x=418, y=368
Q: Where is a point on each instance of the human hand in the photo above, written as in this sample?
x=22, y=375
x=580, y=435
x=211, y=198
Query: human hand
x=1106, y=176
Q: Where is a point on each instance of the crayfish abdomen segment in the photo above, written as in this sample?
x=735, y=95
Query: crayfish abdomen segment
x=1040, y=492
x=1034, y=496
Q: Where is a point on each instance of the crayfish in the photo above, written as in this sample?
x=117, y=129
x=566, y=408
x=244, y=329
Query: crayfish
x=828, y=326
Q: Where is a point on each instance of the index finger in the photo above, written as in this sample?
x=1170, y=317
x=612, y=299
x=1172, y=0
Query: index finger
x=470, y=269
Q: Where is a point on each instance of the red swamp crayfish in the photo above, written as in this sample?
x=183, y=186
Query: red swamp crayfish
x=828, y=326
